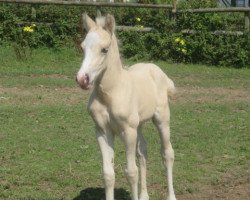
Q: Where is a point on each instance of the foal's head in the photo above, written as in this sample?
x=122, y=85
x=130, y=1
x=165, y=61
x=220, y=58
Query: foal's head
x=96, y=48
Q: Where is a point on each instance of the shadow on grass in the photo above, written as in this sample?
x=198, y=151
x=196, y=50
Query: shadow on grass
x=99, y=194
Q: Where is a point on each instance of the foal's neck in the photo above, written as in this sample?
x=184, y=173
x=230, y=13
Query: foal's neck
x=114, y=69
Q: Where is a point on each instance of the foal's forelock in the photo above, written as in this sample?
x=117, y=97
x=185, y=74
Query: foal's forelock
x=100, y=21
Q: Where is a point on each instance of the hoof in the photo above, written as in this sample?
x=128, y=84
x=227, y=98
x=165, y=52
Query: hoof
x=144, y=197
x=171, y=198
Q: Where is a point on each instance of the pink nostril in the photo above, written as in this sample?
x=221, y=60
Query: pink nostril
x=87, y=78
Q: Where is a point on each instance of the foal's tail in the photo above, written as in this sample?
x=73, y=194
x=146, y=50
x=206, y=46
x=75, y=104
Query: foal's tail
x=171, y=88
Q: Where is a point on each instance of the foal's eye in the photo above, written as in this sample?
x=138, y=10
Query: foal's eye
x=104, y=50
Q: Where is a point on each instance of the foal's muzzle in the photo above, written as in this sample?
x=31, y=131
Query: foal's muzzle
x=83, y=81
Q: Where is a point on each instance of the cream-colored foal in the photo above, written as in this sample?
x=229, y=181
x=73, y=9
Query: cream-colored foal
x=121, y=101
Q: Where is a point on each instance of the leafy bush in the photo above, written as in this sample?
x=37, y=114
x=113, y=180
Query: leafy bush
x=58, y=26
x=197, y=4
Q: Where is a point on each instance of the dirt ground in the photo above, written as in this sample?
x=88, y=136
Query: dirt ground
x=231, y=188
x=215, y=95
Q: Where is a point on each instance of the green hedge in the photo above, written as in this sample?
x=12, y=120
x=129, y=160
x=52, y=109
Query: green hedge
x=58, y=26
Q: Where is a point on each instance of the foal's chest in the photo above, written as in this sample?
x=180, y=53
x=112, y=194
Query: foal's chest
x=111, y=117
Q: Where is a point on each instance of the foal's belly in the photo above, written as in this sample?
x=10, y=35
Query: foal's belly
x=146, y=100
x=146, y=106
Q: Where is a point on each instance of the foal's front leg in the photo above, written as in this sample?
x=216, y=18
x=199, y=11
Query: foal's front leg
x=106, y=143
x=131, y=170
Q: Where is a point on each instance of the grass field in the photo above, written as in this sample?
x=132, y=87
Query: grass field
x=47, y=139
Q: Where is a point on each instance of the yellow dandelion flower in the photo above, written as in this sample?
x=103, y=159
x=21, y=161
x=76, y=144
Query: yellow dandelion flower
x=28, y=29
x=184, y=51
x=138, y=19
x=177, y=39
x=25, y=29
x=182, y=42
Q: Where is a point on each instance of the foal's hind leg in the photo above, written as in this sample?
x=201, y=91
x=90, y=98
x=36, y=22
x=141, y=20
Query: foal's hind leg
x=142, y=156
x=161, y=120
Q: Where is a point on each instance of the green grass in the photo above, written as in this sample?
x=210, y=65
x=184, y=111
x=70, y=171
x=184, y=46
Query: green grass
x=47, y=139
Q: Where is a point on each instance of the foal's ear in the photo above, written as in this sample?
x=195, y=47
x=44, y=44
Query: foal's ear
x=109, y=24
x=88, y=23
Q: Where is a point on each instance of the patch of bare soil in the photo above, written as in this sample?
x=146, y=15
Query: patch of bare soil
x=215, y=95
x=73, y=95
x=42, y=96
x=230, y=188
x=52, y=76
